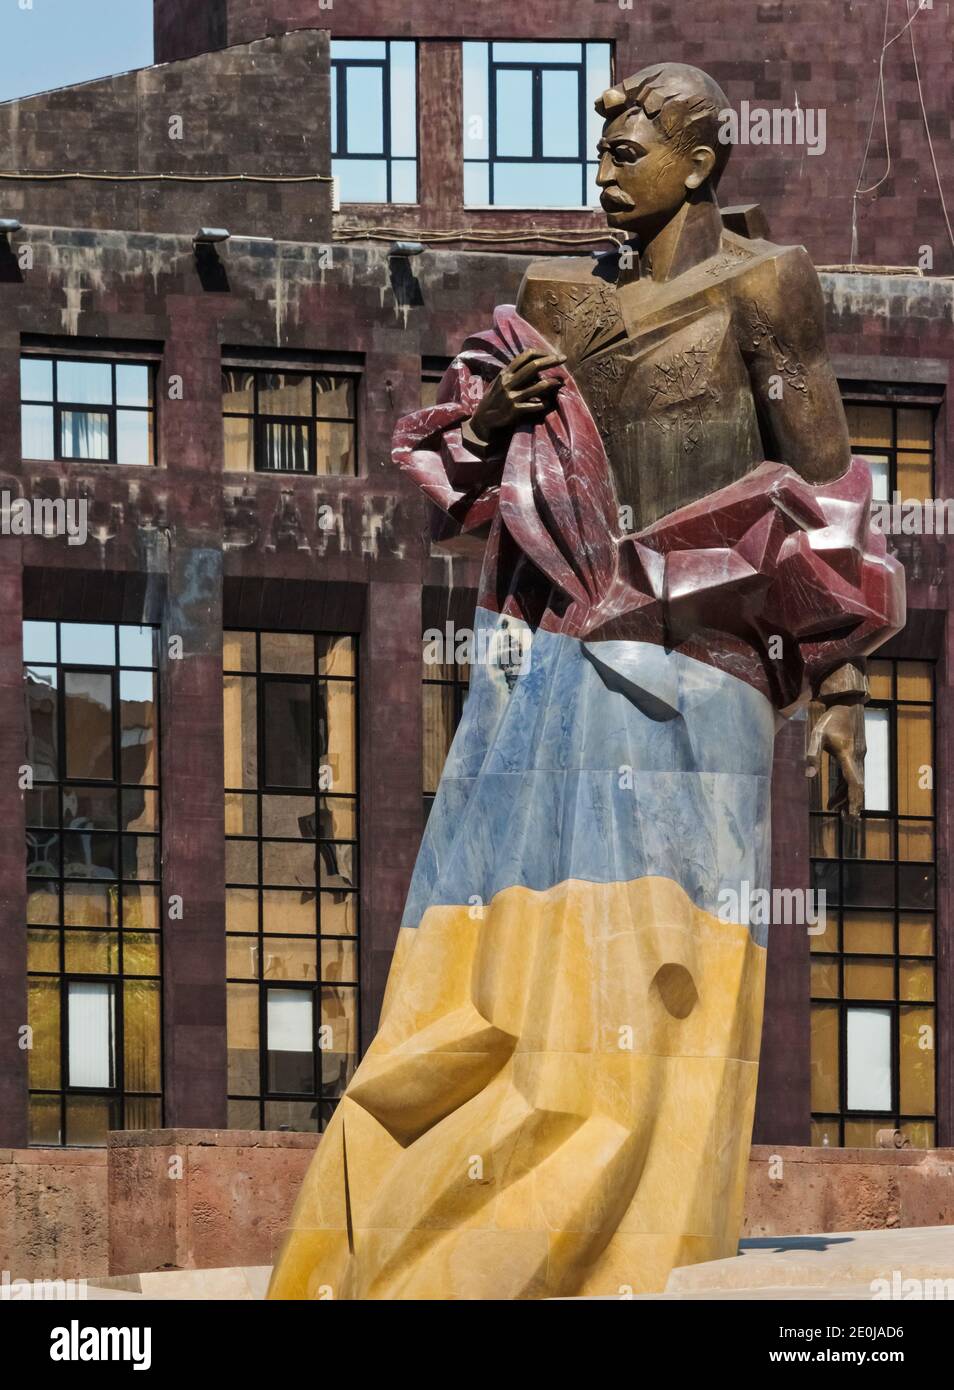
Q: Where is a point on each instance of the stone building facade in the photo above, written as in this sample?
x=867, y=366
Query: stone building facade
x=221, y=767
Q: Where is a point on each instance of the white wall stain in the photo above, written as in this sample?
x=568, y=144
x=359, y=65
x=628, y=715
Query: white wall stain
x=281, y=305
x=155, y=261
x=78, y=273
x=906, y=297
x=377, y=520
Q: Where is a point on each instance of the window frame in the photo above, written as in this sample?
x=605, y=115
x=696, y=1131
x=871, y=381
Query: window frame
x=339, y=95
x=896, y=1116
x=111, y=410
x=458, y=684
x=433, y=371
x=260, y=421
x=857, y=394
x=117, y=978
x=537, y=67
x=323, y=1101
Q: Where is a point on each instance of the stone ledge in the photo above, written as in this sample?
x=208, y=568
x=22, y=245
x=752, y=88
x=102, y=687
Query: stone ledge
x=59, y=1157
x=117, y=1210
x=211, y=1138
x=896, y=1158
x=191, y=1199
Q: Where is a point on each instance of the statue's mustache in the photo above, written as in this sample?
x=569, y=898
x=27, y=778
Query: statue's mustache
x=614, y=196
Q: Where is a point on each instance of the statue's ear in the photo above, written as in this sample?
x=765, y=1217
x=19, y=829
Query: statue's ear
x=703, y=162
x=748, y=220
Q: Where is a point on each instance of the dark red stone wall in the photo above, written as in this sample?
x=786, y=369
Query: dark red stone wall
x=252, y=111
x=900, y=330
x=191, y=548
x=182, y=28
x=824, y=53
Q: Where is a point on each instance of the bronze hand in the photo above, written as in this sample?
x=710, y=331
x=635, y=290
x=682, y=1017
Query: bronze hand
x=519, y=393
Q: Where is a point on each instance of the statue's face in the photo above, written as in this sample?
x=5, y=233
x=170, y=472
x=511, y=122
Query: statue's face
x=644, y=178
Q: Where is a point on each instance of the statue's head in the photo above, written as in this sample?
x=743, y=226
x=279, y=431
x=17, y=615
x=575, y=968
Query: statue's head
x=660, y=145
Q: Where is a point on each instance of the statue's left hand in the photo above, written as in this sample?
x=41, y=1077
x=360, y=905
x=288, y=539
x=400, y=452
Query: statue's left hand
x=839, y=730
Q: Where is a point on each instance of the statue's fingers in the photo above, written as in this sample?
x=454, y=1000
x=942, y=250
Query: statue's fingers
x=524, y=374
x=520, y=360
x=537, y=389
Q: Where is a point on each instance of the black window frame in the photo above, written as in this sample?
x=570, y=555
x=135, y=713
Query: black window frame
x=458, y=684
x=118, y=1094
x=895, y=1116
x=537, y=68
x=322, y=1097
x=433, y=370
x=339, y=67
x=261, y=420
x=862, y=395
x=60, y=406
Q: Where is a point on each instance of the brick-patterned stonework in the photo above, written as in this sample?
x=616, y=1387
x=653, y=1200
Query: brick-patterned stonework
x=264, y=561
x=824, y=53
x=254, y=110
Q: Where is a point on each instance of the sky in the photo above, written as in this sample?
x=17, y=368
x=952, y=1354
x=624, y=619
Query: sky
x=54, y=43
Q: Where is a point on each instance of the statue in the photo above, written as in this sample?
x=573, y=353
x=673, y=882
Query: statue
x=677, y=546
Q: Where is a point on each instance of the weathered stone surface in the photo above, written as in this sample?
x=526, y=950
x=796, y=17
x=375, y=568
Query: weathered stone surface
x=86, y=1213
x=53, y=1213
x=238, y=113
x=767, y=52
x=793, y=1191
x=197, y=1199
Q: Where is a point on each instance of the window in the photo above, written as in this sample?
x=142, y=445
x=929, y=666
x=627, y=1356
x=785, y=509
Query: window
x=897, y=441
x=530, y=131
x=93, y=916
x=374, y=120
x=445, y=690
x=83, y=408
x=288, y=422
x=291, y=876
x=873, y=968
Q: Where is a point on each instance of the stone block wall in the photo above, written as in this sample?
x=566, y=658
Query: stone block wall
x=201, y=1199
x=211, y=1199
x=824, y=54
x=53, y=1213
x=803, y=1191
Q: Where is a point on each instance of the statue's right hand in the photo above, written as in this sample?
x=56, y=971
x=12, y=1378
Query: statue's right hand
x=519, y=393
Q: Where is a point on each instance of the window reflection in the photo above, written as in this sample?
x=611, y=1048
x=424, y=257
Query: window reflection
x=77, y=408
x=530, y=131
x=897, y=442
x=444, y=693
x=374, y=120
x=873, y=1010
x=288, y=422
x=291, y=875
x=92, y=887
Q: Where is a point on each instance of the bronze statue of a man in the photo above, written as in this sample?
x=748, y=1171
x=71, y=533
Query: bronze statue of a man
x=652, y=448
